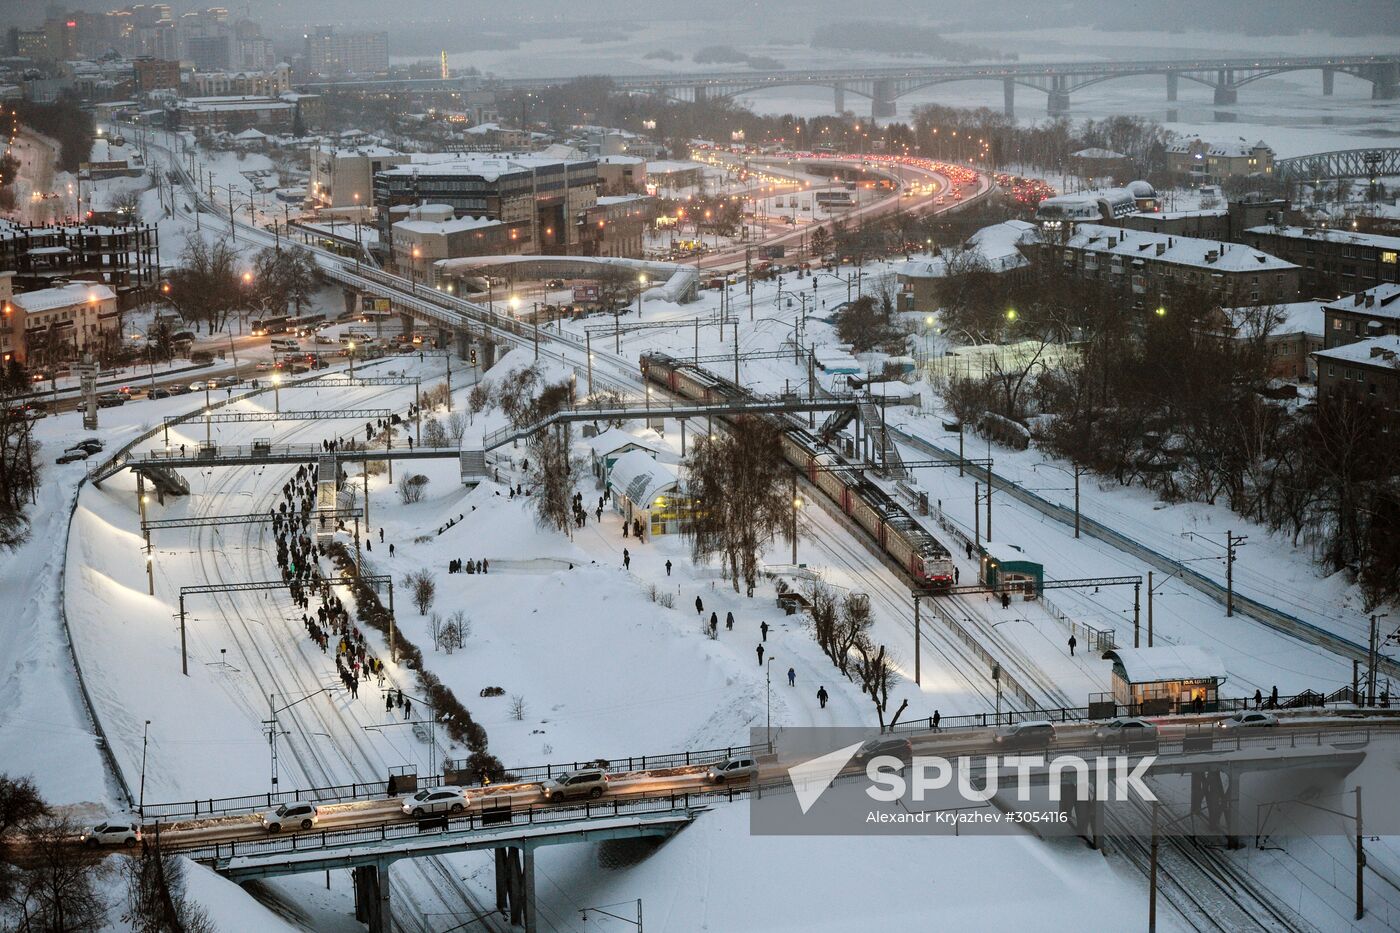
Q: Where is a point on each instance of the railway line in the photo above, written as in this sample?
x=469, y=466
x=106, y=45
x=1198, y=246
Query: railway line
x=1210, y=892
x=263, y=645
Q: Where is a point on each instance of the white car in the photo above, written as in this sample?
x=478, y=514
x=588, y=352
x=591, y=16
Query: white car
x=198, y=386
x=1126, y=730
x=732, y=769
x=436, y=800
x=1247, y=720
x=297, y=814
x=111, y=833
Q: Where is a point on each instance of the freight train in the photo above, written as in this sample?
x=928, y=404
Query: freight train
x=884, y=519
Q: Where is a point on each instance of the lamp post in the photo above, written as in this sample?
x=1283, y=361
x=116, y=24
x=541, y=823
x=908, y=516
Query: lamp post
x=350, y=352
x=357, y=233
x=641, y=285
x=277, y=392
x=141, y=799
x=413, y=272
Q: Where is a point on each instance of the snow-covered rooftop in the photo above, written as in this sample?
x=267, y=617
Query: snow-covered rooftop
x=615, y=439
x=1381, y=301
x=1180, y=250
x=1234, y=148
x=1295, y=317
x=1331, y=235
x=1378, y=351
x=996, y=248
x=62, y=296
x=1166, y=662
x=456, y=225
x=641, y=478
x=489, y=166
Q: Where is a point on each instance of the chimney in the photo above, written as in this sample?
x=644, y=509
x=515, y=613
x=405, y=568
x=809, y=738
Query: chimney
x=1370, y=301
x=1357, y=298
x=1161, y=248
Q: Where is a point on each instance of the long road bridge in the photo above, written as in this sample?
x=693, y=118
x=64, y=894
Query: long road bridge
x=884, y=86
x=368, y=835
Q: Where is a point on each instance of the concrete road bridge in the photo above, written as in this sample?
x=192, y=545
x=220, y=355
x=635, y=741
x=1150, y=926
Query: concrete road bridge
x=884, y=86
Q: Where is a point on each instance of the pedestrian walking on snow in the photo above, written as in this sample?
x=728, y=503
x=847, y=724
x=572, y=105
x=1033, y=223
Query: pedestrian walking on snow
x=936, y=719
x=626, y=559
x=792, y=677
x=407, y=709
x=729, y=621
x=1072, y=643
x=821, y=696
x=381, y=536
x=668, y=568
x=760, y=655
x=763, y=627
x=699, y=606
x=1258, y=698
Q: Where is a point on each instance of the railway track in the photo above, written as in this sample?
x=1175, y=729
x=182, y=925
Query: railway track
x=293, y=676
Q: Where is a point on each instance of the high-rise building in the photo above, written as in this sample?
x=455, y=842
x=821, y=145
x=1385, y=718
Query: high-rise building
x=331, y=54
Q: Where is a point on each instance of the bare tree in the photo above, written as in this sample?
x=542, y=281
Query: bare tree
x=422, y=588
x=412, y=487
x=479, y=398
x=434, y=435
x=740, y=480
x=155, y=898
x=518, y=707
x=58, y=887
x=457, y=427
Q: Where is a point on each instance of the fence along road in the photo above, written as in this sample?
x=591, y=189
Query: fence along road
x=1252, y=608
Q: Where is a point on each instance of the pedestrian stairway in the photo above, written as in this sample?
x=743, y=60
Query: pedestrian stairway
x=168, y=482
x=889, y=460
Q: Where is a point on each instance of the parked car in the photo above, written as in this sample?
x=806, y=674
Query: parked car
x=1034, y=733
x=586, y=782
x=68, y=456
x=111, y=833
x=739, y=768
x=1246, y=719
x=886, y=745
x=436, y=800
x=110, y=400
x=297, y=814
x=1125, y=731
x=91, y=444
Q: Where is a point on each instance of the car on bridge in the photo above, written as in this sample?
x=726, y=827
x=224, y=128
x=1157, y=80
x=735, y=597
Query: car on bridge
x=1126, y=731
x=436, y=800
x=738, y=768
x=298, y=813
x=586, y=782
x=1246, y=719
x=883, y=746
x=1034, y=733
x=111, y=833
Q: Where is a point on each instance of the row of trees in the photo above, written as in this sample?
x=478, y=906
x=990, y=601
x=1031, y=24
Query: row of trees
x=19, y=464
x=1175, y=397
x=49, y=884
x=209, y=286
x=841, y=624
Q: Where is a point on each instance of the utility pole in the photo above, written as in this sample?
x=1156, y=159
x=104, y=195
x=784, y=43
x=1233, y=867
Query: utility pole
x=1152, y=876
x=1371, y=665
x=232, y=230
x=1360, y=860
x=1231, y=542
x=588, y=349
x=916, y=640
x=1137, y=592
x=1149, y=609
x=976, y=513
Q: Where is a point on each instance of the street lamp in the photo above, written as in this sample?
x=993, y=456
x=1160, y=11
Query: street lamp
x=277, y=392
x=141, y=800
x=414, y=271
x=350, y=352
x=641, y=284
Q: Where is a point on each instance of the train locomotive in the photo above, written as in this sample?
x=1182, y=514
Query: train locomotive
x=885, y=520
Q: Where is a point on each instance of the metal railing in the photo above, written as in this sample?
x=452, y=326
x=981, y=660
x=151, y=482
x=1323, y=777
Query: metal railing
x=492, y=819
